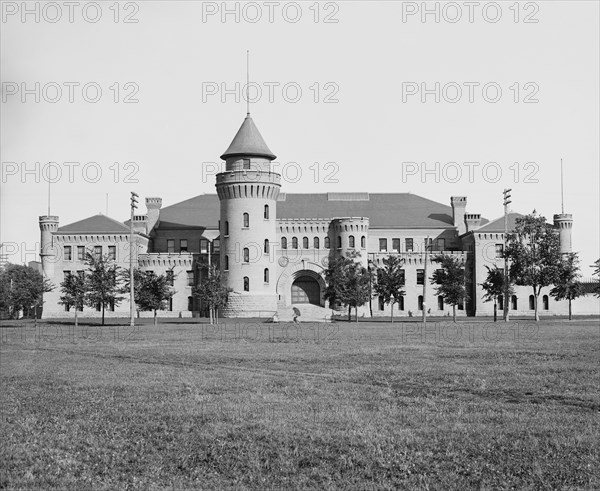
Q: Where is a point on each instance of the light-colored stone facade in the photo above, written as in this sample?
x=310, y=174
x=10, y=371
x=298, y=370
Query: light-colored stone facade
x=264, y=257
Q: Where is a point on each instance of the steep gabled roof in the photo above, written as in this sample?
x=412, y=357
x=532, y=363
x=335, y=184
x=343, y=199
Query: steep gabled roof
x=383, y=210
x=497, y=225
x=248, y=141
x=98, y=224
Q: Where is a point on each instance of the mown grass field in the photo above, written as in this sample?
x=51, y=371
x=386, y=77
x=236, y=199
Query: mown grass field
x=344, y=405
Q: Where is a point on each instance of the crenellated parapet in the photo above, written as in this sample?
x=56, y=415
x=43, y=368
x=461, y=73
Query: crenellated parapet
x=165, y=260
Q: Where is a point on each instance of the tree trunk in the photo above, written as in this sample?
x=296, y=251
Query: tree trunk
x=155, y=317
x=102, y=314
x=35, y=316
x=535, y=305
x=349, y=313
x=76, y=309
x=356, y=312
x=570, y=313
x=454, y=313
x=495, y=311
x=210, y=313
x=392, y=312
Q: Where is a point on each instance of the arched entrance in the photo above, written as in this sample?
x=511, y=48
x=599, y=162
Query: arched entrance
x=306, y=289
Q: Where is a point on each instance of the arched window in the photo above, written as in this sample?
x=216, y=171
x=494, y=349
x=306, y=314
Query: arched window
x=339, y=242
x=226, y=263
x=266, y=275
x=226, y=231
x=351, y=241
x=316, y=244
x=531, y=303
x=266, y=214
x=246, y=255
x=420, y=301
x=246, y=220
x=305, y=243
x=440, y=303
x=246, y=284
x=363, y=242
x=294, y=242
x=284, y=242
x=514, y=302
x=266, y=246
x=327, y=244
x=401, y=302
x=546, y=302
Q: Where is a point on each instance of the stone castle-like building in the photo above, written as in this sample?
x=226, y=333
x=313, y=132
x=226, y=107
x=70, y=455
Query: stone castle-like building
x=272, y=247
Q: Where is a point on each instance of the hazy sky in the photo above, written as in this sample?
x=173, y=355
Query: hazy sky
x=342, y=103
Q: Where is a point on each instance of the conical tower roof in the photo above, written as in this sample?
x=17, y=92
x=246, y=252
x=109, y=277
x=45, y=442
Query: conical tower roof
x=248, y=141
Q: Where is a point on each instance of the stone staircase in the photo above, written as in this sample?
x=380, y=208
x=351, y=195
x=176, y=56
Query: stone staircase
x=308, y=313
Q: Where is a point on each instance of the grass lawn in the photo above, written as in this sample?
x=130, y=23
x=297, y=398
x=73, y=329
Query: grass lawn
x=341, y=405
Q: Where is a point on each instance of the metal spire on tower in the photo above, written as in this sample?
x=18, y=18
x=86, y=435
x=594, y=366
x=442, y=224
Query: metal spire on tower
x=248, y=82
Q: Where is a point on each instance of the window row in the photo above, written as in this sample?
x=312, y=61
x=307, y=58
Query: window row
x=96, y=251
x=247, y=280
x=245, y=220
x=326, y=242
x=183, y=246
x=409, y=244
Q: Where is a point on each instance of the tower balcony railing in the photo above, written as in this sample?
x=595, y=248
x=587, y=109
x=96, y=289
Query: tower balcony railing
x=248, y=177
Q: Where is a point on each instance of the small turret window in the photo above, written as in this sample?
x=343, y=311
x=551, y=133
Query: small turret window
x=246, y=164
x=226, y=230
x=316, y=244
x=294, y=242
x=305, y=243
x=327, y=243
x=363, y=242
x=226, y=263
x=246, y=220
x=266, y=212
x=351, y=243
x=339, y=242
x=246, y=284
x=284, y=242
x=266, y=249
x=266, y=275
x=246, y=255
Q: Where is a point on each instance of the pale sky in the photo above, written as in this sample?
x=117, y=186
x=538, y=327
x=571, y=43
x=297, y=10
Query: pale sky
x=367, y=66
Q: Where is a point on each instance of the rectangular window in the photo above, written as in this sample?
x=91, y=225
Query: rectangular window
x=170, y=277
x=402, y=276
x=441, y=244
x=396, y=245
x=97, y=252
x=383, y=245
x=246, y=164
x=203, y=246
x=68, y=253
x=112, y=252
x=190, y=278
x=67, y=274
x=183, y=245
x=420, y=276
x=170, y=245
x=499, y=250
x=80, y=253
x=408, y=243
x=216, y=245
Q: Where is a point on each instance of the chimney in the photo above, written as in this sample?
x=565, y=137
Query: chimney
x=140, y=223
x=153, y=206
x=459, y=204
x=472, y=221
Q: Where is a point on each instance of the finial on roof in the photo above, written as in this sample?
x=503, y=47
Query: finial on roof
x=247, y=82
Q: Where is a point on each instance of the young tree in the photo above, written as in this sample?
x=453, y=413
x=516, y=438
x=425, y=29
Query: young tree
x=390, y=281
x=23, y=289
x=73, y=292
x=102, y=282
x=494, y=287
x=597, y=273
x=347, y=283
x=567, y=286
x=449, y=281
x=152, y=292
x=534, y=254
x=211, y=291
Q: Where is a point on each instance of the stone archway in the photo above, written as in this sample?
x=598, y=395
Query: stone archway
x=302, y=274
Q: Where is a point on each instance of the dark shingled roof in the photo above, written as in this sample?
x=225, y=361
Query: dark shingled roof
x=497, y=225
x=248, y=141
x=383, y=210
x=97, y=224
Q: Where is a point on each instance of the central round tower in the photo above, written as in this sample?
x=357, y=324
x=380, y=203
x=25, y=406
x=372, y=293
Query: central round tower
x=248, y=191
